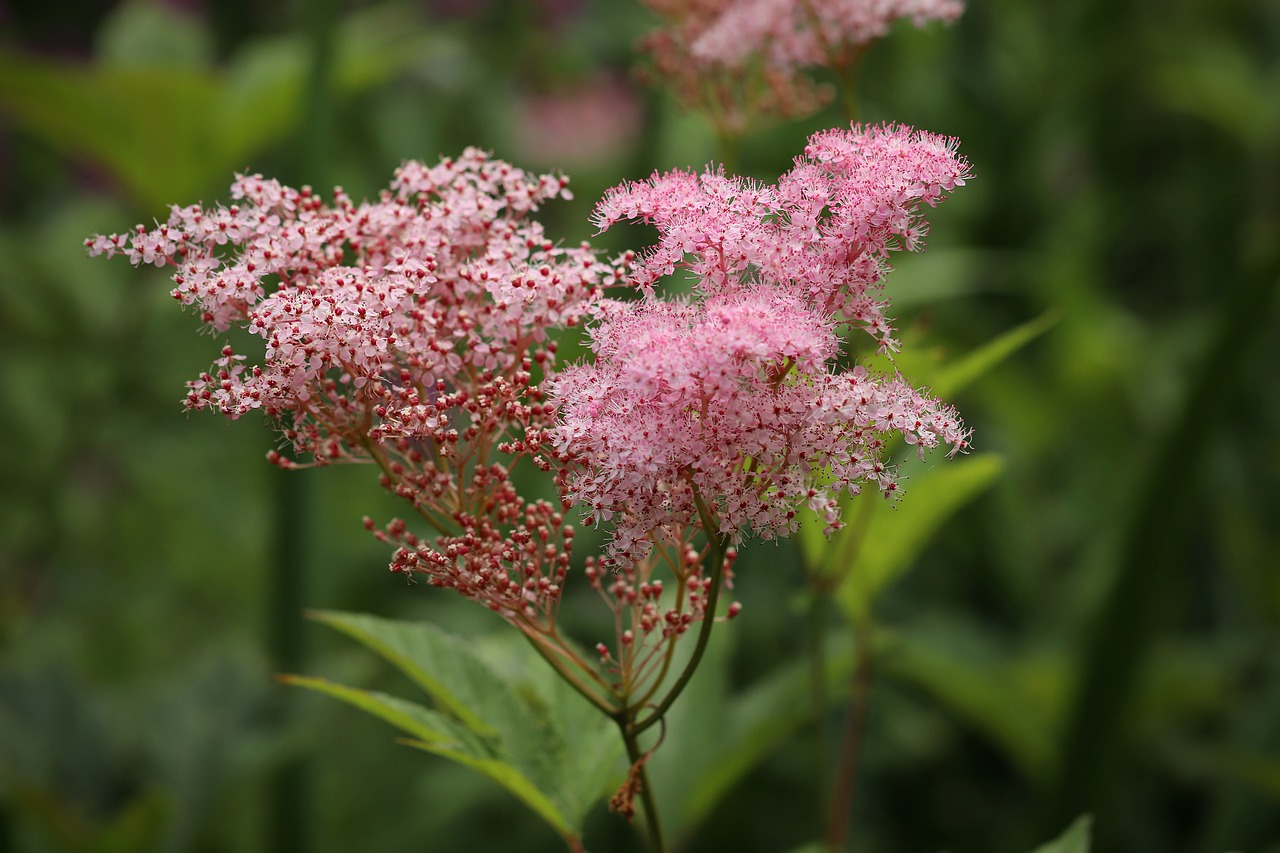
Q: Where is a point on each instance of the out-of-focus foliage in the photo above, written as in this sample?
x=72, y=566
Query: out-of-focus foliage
x=1111, y=556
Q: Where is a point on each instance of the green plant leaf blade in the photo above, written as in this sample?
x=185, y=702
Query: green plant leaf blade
x=445, y=736
x=1015, y=702
x=499, y=709
x=896, y=533
x=507, y=776
x=959, y=374
x=1074, y=840
x=430, y=657
x=413, y=719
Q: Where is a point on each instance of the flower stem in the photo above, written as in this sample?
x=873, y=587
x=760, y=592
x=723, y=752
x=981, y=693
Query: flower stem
x=562, y=669
x=849, y=73
x=631, y=737
x=819, y=605
x=855, y=724
x=719, y=546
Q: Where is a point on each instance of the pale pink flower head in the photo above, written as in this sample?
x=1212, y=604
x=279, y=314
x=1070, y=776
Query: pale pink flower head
x=587, y=124
x=409, y=332
x=734, y=397
x=366, y=311
x=824, y=232
x=736, y=60
x=792, y=34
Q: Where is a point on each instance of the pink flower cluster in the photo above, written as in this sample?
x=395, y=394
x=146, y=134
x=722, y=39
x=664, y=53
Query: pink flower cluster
x=793, y=34
x=733, y=399
x=734, y=59
x=440, y=279
x=407, y=331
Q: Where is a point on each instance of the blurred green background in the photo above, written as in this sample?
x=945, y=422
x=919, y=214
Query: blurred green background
x=1097, y=631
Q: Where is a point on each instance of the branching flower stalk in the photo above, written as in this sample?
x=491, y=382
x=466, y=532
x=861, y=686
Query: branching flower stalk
x=410, y=333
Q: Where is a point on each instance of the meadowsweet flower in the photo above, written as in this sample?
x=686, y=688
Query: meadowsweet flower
x=824, y=231
x=405, y=331
x=734, y=397
x=737, y=59
x=795, y=33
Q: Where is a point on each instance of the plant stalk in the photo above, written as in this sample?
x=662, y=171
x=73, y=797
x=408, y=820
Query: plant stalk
x=653, y=823
x=855, y=724
x=719, y=546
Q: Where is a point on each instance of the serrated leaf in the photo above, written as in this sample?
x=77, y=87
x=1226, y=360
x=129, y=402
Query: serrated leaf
x=501, y=711
x=507, y=776
x=430, y=657
x=883, y=547
x=421, y=722
x=1074, y=840
x=445, y=736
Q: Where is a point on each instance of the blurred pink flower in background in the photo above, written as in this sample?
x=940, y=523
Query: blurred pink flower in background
x=737, y=60
x=581, y=126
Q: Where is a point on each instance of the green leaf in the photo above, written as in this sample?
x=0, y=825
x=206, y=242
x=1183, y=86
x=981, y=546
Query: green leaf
x=1074, y=840
x=170, y=132
x=140, y=33
x=959, y=374
x=925, y=367
x=431, y=658
x=1016, y=702
x=442, y=735
x=499, y=709
x=929, y=367
x=880, y=549
x=421, y=722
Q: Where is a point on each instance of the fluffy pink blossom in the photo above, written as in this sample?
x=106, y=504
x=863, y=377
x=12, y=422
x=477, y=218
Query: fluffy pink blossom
x=735, y=398
x=823, y=232
x=798, y=33
x=736, y=59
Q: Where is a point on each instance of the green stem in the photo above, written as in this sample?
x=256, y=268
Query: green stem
x=289, y=790
x=849, y=76
x=848, y=70
x=563, y=670
x=719, y=546
x=728, y=145
x=631, y=737
x=855, y=724
x=819, y=606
